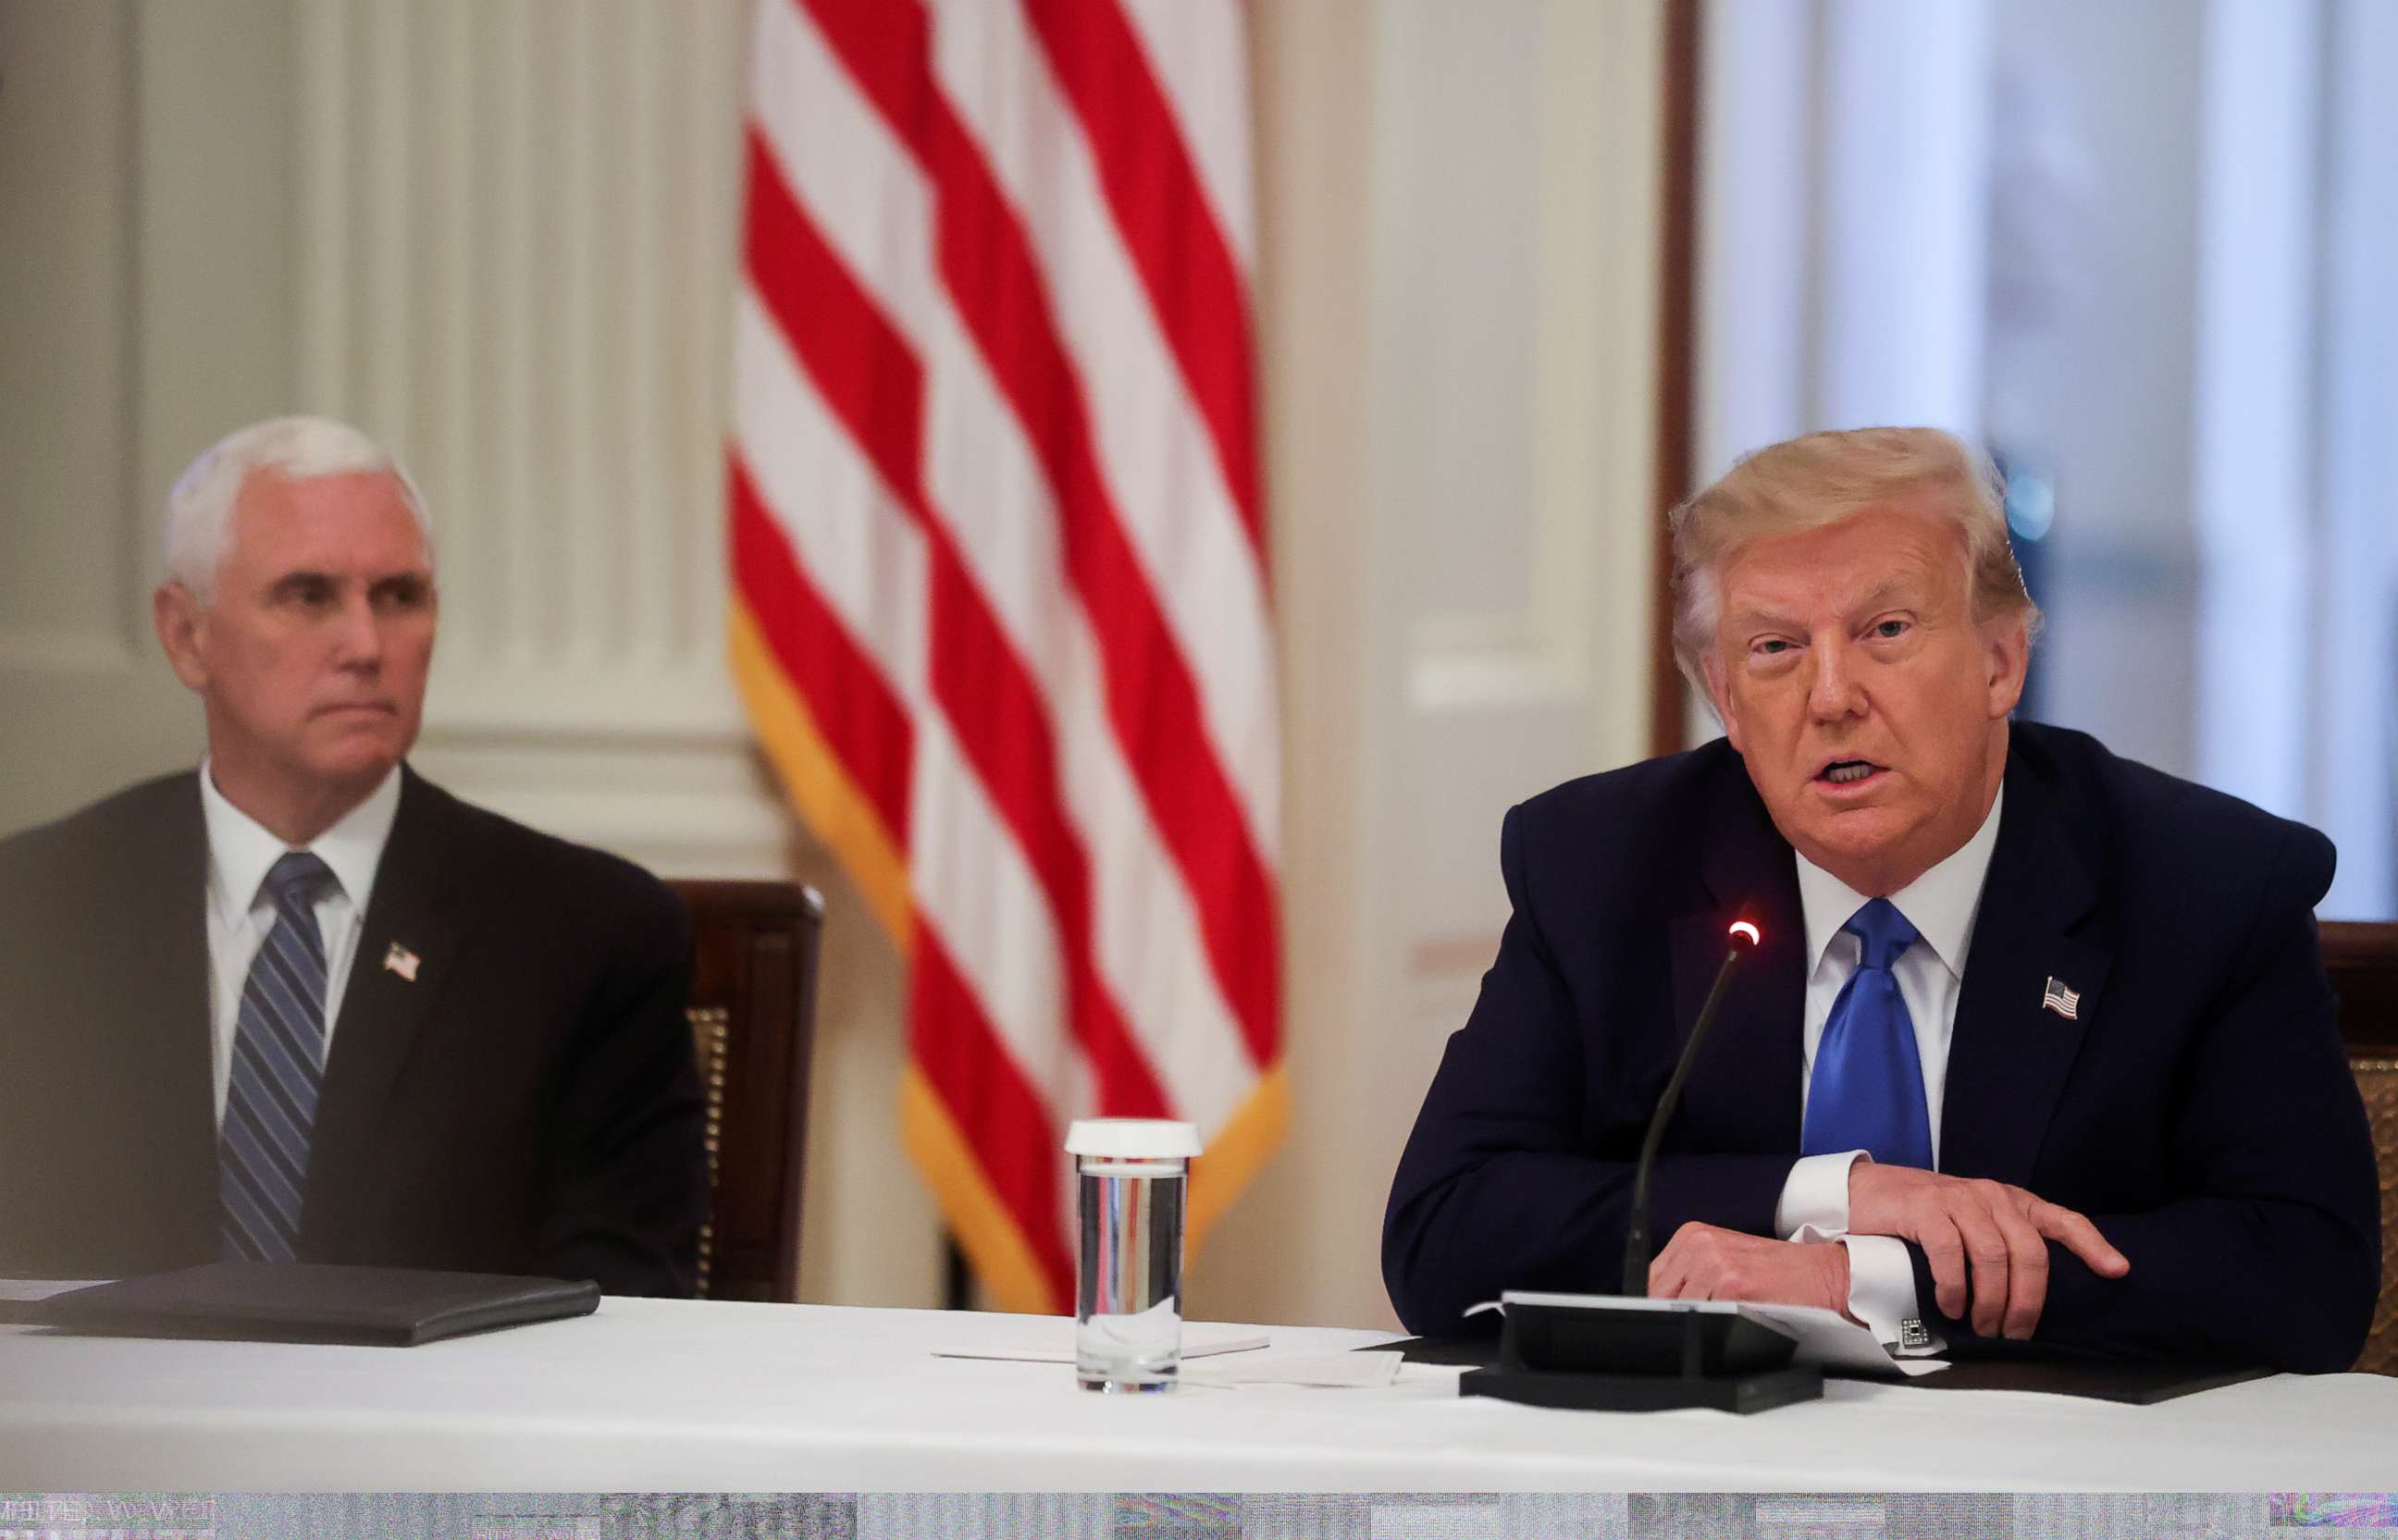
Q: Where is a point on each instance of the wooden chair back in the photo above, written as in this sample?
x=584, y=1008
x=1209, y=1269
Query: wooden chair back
x=753, y=1023
x=2362, y=962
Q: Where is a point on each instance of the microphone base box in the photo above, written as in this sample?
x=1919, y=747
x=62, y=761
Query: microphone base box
x=1760, y=1390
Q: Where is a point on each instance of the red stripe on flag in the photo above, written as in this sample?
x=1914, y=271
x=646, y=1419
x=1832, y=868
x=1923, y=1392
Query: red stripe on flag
x=873, y=383
x=1004, y=726
x=886, y=46
x=845, y=692
x=986, y=264
x=994, y=1107
x=862, y=365
x=1160, y=209
x=1152, y=700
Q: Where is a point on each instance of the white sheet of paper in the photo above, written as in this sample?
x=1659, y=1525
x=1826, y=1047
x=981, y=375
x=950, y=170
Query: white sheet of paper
x=32, y=1291
x=1198, y=1345
x=1826, y=1338
x=1830, y=1339
x=1369, y=1369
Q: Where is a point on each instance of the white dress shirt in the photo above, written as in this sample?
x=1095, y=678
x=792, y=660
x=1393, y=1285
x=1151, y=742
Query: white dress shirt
x=241, y=910
x=1941, y=905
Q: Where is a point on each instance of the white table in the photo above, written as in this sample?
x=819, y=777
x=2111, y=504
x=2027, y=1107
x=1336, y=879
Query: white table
x=654, y=1395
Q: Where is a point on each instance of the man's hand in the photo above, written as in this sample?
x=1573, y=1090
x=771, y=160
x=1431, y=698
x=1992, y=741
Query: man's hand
x=2000, y=1233
x=1708, y=1261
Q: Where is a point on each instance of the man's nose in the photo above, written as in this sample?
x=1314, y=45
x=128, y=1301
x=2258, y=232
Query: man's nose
x=1835, y=692
x=358, y=634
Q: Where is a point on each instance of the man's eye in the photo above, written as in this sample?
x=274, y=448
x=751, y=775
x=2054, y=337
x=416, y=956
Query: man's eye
x=1773, y=646
x=1890, y=628
x=400, y=597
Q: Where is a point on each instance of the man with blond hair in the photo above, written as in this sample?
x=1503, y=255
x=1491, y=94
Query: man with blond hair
x=2035, y=1054
x=301, y=1004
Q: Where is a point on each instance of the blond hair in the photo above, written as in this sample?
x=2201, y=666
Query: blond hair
x=1820, y=479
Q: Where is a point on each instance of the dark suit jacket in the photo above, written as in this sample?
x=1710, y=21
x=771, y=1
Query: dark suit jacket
x=527, y=1105
x=2200, y=1110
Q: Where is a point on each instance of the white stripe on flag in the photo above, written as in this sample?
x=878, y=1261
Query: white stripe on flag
x=968, y=874
x=859, y=186
x=857, y=546
x=995, y=906
x=1148, y=942
x=1153, y=450
x=1199, y=52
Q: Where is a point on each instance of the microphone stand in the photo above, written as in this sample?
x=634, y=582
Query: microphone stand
x=1635, y=1237
x=1624, y=1353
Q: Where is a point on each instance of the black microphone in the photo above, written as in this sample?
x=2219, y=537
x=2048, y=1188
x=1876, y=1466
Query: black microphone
x=1612, y=1354
x=1623, y=1354
x=1745, y=937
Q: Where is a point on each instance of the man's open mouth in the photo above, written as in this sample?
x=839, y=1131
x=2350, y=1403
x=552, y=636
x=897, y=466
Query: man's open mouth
x=1843, y=773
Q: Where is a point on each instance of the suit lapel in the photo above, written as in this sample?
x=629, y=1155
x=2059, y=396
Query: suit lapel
x=164, y=993
x=414, y=908
x=2008, y=1056
x=1744, y=1086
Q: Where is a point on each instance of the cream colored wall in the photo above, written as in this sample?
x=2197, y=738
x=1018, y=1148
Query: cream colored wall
x=507, y=249
x=1456, y=311
x=499, y=234
x=92, y=344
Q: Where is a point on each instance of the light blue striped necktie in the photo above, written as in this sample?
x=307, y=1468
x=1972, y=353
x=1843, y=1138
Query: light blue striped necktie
x=279, y=1062
x=1867, y=1091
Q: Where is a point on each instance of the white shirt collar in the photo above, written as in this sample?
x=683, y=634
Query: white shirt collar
x=241, y=850
x=1940, y=904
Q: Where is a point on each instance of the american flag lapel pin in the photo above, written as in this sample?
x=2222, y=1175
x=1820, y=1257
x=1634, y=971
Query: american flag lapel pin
x=2065, y=1001
x=402, y=962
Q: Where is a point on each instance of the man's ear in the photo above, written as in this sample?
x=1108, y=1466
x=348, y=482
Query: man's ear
x=183, y=625
x=2007, y=643
x=1711, y=668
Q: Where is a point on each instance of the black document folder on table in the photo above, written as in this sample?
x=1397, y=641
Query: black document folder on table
x=2131, y=1384
x=313, y=1301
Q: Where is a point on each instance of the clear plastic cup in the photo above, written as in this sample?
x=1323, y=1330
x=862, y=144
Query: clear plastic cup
x=1132, y=1176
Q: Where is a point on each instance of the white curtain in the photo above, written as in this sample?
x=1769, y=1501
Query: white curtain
x=2145, y=252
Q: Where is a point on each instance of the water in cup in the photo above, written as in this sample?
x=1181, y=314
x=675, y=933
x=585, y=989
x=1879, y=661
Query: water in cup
x=1132, y=1178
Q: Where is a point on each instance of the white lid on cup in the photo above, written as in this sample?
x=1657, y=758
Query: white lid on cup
x=1133, y=1138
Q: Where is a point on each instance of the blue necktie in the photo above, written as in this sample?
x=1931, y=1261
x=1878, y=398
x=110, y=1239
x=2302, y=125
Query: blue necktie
x=279, y=1062
x=1867, y=1091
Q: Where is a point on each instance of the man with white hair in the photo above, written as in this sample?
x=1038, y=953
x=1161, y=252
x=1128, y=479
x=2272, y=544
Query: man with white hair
x=302, y=1004
x=2036, y=1052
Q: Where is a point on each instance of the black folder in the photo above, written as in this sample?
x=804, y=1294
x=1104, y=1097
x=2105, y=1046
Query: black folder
x=2131, y=1384
x=313, y=1301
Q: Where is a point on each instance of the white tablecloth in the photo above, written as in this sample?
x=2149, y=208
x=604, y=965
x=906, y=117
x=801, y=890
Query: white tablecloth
x=654, y=1395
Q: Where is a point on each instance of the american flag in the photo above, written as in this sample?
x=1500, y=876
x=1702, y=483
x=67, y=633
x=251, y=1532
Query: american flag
x=2057, y=997
x=1000, y=594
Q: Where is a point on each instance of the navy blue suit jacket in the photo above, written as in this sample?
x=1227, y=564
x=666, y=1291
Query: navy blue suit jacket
x=2200, y=1110
x=526, y=1102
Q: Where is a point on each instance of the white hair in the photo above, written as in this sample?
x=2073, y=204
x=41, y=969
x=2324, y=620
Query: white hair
x=200, y=507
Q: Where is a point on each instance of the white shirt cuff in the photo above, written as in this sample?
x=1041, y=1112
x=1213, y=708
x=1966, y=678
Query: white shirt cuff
x=1881, y=1293
x=1814, y=1203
